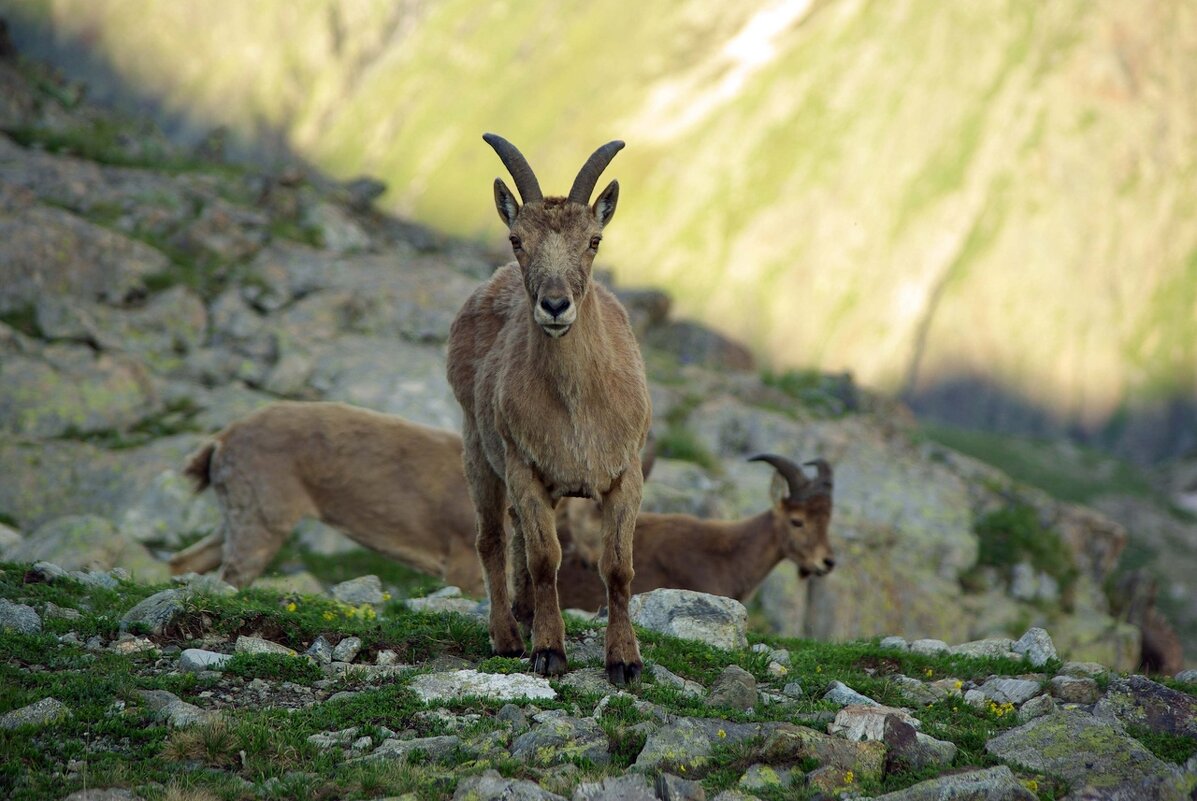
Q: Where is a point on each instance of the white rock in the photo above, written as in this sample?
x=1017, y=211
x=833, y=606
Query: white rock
x=842, y=694
x=459, y=683
x=862, y=722
x=712, y=619
x=347, y=649
x=929, y=647
x=1007, y=690
x=1036, y=645
x=897, y=643
x=196, y=659
x=256, y=645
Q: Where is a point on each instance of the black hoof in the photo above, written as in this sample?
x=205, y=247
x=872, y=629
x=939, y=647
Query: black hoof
x=622, y=673
x=548, y=662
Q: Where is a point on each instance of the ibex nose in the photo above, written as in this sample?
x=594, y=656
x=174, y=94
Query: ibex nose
x=829, y=563
x=554, y=306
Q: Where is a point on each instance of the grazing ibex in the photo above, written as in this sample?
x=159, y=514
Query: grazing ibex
x=549, y=376
x=391, y=485
x=721, y=557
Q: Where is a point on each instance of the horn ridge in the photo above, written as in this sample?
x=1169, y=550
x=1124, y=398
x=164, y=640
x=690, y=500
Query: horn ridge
x=517, y=165
x=589, y=174
x=796, y=480
x=824, y=481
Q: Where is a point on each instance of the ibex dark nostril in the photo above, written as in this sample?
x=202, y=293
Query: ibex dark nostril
x=830, y=563
x=556, y=306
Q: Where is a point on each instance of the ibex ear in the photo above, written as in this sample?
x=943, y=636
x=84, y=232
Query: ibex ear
x=604, y=206
x=506, y=203
x=779, y=488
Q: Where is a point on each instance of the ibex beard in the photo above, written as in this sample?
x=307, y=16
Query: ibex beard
x=555, y=404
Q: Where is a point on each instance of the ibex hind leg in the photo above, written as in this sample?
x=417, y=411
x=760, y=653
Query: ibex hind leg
x=522, y=604
x=620, y=506
x=490, y=500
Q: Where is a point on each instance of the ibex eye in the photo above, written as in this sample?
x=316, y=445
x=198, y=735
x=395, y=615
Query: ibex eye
x=594, y=242
x=796, y=523
x=516, y=244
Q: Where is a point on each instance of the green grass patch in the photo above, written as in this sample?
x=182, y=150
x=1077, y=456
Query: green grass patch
x=23, y=319
x=1176, y=748
x=1013, y=535
x=823, y=394
x=275, y=667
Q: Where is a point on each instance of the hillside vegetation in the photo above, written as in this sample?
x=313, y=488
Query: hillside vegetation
x=993, y=200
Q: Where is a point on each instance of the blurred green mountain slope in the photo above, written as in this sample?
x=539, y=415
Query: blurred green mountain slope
x=990, y=207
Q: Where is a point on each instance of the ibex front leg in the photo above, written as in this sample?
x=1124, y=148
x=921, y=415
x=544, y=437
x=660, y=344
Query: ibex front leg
x=621, y=504
x=535, y=520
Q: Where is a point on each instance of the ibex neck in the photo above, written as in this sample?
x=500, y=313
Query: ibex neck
x=567, y=359
x=753, y=551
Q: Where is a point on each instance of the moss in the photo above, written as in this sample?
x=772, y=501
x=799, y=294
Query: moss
x=278, y=667
x=1014, y=534
x=1175, y=748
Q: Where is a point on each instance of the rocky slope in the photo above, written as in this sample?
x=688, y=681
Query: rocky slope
x=991, y=201
x=198, y=692
x=145, y=306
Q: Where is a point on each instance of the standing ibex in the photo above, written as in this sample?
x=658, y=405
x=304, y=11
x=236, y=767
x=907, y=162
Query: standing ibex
x=549, y=376
x=721, y=557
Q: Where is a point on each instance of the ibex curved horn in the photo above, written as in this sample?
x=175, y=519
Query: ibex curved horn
x=824, y=481
x=517, y=165
x=591, y=170
x=792, y=473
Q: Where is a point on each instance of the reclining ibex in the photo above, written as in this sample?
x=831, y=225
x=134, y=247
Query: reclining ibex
x=721, y=557
x=549, y=376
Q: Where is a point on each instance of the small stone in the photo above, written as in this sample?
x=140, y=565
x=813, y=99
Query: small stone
x=19, y=618
x=514, y=717
x=563, y=739
x=347, y=649
x=333, y=739
x=949, y=687
x=675, y=788
x=975, y=698
x=194, y=660
x=362, y=744
x=896, y=643
x=401, y=750
x=763, y=777
x=793, y=689
x=1186, y=676
x=132, y=645
x=917, y=692
x=1007, y=690
x=320, y=650
x=157, y=612
x=1090, y=669
x=860, y=722
x=992, y=647
x=490, y=786
x=1037, y=707
x=358, y=591
x=386, y=658
x=455, y=684
x=929, y=647
x=907, y=749
x=691, y=688
x=1075, y=689
x=53, y=611
x=777, y=670
x=174, y=710
x=630, y=787
x=39, y=713
x=48, y=572
x=1036, y=645
x=735, y=688
x=842, y=694
x=257, y=645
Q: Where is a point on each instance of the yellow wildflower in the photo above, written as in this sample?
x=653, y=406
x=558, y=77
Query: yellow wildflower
x=849, y=777
x=1031, y=785
x=386, y=596
x=722, y=733
x=291, y=607
x=329, y=616
x=958, y=684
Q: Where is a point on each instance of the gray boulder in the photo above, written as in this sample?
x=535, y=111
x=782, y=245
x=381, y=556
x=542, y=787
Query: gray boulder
x=629, y=787
x=39, y=713
x=714, y=620
x=358, y=591
x=175, y=711
x=401, y=750
x=459, y=683
x=842, y=694
x=87, y=542
x=19, y=617
x=157, y=612
x=563, y=739
x=1139, y=701
x=490, y=786
x=1003, y=690
x=990, y=784
x=1075, y=689
x=1037, y=646
x=1078, y=747
x=735, y=688
x=194, y=660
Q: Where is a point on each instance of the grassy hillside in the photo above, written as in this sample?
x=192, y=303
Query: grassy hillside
x=1000, y=192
